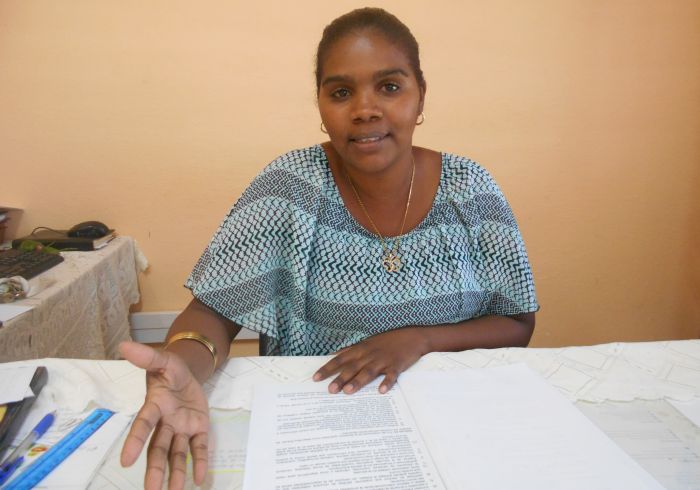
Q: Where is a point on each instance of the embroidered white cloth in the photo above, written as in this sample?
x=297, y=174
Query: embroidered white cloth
x=607, y=372
x=663, y=443
x=80, y=307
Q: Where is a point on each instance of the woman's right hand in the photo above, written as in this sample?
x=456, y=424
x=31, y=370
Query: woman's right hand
x=177, y=408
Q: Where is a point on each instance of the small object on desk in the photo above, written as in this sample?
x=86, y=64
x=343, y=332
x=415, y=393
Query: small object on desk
x=39, y=469
x=61, y=240
x=89, y=229
x=13, y=288
x=16, y=412
x=15, y=459
x=26, y=264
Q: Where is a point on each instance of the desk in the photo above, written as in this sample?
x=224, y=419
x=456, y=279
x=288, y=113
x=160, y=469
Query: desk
x=81, y=310
x=624, y=388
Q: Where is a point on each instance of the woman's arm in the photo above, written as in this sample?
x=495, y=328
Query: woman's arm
x=200, y=318
x=390, y=353
x=486, y=332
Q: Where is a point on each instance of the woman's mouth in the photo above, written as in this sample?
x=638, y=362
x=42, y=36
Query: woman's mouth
x=368, y=140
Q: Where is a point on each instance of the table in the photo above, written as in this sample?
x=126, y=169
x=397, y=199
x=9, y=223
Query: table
x=81, y=309
x=624, y=388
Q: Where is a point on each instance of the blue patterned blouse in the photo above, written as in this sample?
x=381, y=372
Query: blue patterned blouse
x=291, y=263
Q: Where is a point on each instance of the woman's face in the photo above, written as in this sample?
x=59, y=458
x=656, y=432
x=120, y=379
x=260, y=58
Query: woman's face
x=369, y=100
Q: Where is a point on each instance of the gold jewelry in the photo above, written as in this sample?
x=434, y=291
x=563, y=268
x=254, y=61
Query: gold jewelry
x=323, y=128
x=391, y=260
x=422, y=119
x=13, y=288
x=191, y=335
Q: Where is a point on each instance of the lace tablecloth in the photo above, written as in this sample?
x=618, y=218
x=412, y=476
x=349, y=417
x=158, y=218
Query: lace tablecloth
x=618, y=372
x=81, y=307
x=624, y=388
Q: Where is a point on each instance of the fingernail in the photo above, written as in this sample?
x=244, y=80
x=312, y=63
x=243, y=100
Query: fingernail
x=317, y=377
x=333, y=388
x=349, y=388
x=382, y=389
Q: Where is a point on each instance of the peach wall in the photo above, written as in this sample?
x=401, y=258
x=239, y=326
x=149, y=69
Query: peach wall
x=153, y=116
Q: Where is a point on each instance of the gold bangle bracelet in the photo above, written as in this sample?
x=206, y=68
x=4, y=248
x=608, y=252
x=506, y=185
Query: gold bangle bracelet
x=191, y=335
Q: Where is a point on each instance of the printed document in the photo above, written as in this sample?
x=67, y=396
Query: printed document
x=302, y=437
x=492, y=428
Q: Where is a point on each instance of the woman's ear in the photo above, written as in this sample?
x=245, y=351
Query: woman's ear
x=421, y=100
x=421, y=97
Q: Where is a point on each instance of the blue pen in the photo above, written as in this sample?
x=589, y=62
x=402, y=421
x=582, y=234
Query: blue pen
x=14, y=460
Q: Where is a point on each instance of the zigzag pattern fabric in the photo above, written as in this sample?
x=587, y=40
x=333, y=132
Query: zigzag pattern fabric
x=291, y=263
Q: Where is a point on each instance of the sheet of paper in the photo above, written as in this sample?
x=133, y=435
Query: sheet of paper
x=76, y=384
x=505, y=427
x=303, y=437
x=8, y=312
x=228, y=438
x=690, y=408
x=14, y=383
x=661, y=440
x=76, y=471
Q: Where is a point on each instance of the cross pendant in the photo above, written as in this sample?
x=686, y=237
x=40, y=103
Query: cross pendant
x=391, y=262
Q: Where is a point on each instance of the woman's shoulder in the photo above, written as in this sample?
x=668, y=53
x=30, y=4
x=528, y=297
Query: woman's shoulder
x=465, y=177
x=307, y=164
x=296, y=177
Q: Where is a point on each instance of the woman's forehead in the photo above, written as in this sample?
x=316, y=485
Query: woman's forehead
x=364, y=52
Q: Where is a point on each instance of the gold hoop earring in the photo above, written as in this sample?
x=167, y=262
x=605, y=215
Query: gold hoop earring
x=421, y=119
x=323, y=128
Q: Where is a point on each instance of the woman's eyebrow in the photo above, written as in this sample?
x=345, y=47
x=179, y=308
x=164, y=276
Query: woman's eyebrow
x=377, y=75
x=336, y=79
x=389, y=72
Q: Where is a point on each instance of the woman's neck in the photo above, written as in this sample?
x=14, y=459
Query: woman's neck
x=387, y=186
x=384, y=194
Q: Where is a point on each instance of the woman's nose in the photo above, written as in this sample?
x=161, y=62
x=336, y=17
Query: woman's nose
x=365, y=107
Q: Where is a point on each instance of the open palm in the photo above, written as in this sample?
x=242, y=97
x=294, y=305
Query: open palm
x=176, y=410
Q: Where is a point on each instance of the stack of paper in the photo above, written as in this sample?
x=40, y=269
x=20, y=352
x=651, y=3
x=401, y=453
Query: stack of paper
x=483, y=428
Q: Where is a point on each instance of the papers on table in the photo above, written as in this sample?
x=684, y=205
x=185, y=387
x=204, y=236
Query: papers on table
x=14, y=383
x=8, y=312
x=228, y=436
x=79, y=384
x=690, y=408
x=302, y=437
x=507, y=428
x=484, y=428
x=664, y=442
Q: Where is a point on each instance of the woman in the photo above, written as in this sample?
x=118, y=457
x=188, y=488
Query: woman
x=364, y=246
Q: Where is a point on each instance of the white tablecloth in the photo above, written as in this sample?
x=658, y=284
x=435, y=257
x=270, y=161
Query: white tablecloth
x=81, y=309
x=615, y=385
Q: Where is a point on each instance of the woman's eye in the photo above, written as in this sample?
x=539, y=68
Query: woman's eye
x=341, y=93
x=391, y=87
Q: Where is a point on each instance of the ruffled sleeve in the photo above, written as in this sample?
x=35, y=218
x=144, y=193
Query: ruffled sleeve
x=253, y=271
x=496, y=248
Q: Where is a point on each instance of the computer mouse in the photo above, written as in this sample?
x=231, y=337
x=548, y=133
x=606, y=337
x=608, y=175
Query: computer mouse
x=89, y=229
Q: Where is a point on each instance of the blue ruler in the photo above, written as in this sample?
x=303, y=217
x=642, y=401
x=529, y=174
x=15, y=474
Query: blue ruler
x=38, y=470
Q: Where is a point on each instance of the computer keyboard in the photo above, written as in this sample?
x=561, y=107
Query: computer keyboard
x=26, y=264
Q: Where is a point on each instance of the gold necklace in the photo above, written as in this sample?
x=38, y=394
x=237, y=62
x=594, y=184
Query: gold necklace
x=391, y=259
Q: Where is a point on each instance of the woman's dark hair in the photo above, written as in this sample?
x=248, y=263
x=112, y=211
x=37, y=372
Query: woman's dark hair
x=374, y=19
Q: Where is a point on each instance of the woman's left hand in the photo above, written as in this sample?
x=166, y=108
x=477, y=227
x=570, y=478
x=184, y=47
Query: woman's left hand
x=388, y=353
